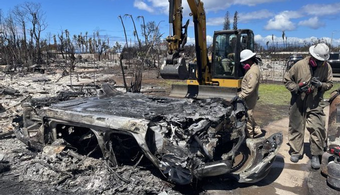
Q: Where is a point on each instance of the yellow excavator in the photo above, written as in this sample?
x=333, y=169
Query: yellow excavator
x=217, y=76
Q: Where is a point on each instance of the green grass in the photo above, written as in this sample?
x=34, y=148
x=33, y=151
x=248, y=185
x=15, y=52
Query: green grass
x=277, y=94
x=274, y=94
x=336, y=85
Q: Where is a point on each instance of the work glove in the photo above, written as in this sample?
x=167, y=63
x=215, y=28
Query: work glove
x=235, y=99
x=315, y=82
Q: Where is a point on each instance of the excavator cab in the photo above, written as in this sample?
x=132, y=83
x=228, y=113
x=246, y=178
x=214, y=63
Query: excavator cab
x=226, y=69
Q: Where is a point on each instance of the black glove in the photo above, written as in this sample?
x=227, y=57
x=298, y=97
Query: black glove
x=235, y=99
x=316, y=82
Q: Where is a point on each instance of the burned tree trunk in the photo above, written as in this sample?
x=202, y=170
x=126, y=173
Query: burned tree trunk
x=136, y=86
x=122, y=68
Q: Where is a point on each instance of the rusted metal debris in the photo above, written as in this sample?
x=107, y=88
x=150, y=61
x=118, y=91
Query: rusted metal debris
x=186, y=139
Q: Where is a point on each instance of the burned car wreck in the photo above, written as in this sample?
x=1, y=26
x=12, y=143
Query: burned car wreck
x=186, y=139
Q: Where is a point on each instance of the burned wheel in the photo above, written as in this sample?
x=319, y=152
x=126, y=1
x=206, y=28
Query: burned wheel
x=241, y=159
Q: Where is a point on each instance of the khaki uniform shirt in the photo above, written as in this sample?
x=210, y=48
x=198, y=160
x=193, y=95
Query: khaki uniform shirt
x=301, y=71
x=250, y=86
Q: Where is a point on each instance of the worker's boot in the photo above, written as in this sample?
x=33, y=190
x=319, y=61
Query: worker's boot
x=315, y=162
x=295, y=158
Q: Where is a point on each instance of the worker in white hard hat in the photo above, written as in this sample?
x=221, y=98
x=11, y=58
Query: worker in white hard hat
x=307, y=80
x=249, y=89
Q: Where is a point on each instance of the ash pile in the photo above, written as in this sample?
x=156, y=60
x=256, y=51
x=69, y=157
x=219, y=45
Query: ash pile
x=59, y=170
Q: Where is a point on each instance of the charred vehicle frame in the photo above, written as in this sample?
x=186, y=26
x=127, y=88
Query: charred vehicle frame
x=186, y=139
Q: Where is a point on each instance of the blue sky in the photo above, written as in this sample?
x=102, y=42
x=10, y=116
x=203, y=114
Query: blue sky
x=302, y=20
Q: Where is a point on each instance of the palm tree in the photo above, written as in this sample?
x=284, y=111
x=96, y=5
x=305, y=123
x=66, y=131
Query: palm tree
x=126, y=41
x=144, y=27
x=121, y=56
x=135, y=33
x=86, y=42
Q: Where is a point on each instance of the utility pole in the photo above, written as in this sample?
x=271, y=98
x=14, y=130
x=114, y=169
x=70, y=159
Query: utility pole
x=332, y=40
x=334, y=31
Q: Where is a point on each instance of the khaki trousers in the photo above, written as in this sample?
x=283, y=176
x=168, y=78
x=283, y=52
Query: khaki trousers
x=301, y=118
x=252, y=128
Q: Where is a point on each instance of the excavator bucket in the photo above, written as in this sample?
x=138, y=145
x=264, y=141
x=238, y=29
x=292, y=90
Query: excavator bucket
x=174, y=69
x=203, y=91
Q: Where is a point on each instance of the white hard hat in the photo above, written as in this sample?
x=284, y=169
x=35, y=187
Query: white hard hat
x=246, y=54
x=319, y=51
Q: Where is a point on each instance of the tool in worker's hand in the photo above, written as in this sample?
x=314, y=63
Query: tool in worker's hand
x=303, y=87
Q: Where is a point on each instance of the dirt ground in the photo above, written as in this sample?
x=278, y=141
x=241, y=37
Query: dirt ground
x=23, y=171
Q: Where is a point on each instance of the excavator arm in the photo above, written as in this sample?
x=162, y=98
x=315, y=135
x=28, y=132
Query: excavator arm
x=199, y=19
x=178, y=39
x=175, y=65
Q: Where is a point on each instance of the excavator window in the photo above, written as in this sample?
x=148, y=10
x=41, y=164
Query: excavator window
x=247, y=41
x=227, y=46
x=244, y=42
x=224, y=49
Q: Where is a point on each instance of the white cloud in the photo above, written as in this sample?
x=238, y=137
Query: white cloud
x=295, y=40
x=261, y=14
x=322, y=9
x=335, y=42
x=281, y=22
x=292, y=14
x=253, y=2
x=269, y=38
x=191, y=40
x=159, y=3
x=258, y=38
x=215, y=21
x=218, y=5
x=143, y=6
x=152, y=6
x=209, y=6
x=243, y=17
x=209, y=39
x=313, y=23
